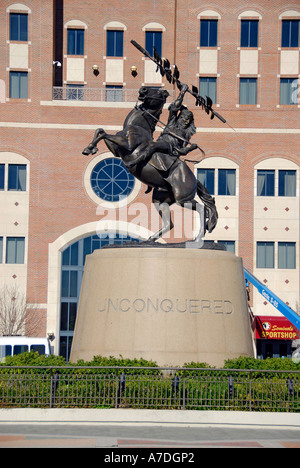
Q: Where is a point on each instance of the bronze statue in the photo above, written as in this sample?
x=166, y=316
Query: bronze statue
x=166, y=173
x=158, y=164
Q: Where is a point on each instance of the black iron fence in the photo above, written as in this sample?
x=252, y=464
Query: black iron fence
x=149, y=388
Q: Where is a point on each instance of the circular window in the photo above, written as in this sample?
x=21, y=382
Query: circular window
x=111, y=181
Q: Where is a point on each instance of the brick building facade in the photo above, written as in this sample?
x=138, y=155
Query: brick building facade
x=66, y=69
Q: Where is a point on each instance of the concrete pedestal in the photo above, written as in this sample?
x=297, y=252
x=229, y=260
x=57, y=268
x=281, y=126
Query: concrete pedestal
x=168, y=305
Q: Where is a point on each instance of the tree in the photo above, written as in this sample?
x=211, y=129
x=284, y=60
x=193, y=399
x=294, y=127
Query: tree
x=13, y=312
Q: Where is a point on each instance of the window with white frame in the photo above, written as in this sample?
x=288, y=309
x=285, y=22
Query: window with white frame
x=208, y=33
x=18, y=27
x=265, y=255
x=290, y=33
x=13, y=177
x=18, y=85
x=15, y=250
x=218, y=181
x=208, y=87
x=111, y=181
x=287, y=255
x=75, y=41
x=248, y=91
x=284, y=179
x=114, y=43
x=17, y=177
x=289, y=91
x=113, y=93
x=153, y=39
x=249, y=33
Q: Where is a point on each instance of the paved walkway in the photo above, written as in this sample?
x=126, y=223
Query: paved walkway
x=31, y=441
x=152, y=431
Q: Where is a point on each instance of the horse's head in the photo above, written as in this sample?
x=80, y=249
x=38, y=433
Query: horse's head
x=152, y=98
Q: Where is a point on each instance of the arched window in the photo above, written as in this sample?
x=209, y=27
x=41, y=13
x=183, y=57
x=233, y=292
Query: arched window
x=290, y=20
x=154, y=33
x=72, y=267
x=219, y=176
x=276, y=177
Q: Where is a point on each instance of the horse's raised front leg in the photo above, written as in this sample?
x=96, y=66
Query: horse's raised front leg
x=122, y=140
x=92, y=147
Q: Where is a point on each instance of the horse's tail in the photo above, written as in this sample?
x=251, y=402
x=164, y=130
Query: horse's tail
x=210, y=206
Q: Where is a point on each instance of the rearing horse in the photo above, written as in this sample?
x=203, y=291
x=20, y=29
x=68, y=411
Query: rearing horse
x=177, y=185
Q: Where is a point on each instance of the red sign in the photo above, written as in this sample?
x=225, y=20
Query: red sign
x=275, y=328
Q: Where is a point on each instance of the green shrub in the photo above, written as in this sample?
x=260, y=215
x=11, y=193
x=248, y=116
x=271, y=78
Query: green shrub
x=243, y=362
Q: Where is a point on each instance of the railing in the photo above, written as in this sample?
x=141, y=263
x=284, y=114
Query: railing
x=81, y=93
x=155, y=388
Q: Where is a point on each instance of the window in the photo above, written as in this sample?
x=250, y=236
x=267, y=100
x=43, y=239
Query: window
x=207, y=178
x=111, y=181
x=288, y=91
x=15, y=250
x=287, y=255
x=1, y=249
x=227, y=182
x=290, y=33
x=208, y=87
x=114, y=93
x=2, y=176
x=208, y=33
x=17, y=177
x=70, y=255
x=154, y=39
x=75, y=42
x=265, y=255
x=265, y=183
x=18, y=27
x=69, y=284
x=230, y=245
x=75, y=92
x=5, y=350
x=40, y=349
x=19, y=349
x=249, y=33
x=248, y=90
x=68, y=314
x=287, y=183
x=18, y=85
x=114, y=43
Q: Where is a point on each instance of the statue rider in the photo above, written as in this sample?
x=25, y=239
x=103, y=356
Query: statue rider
x=174, y=140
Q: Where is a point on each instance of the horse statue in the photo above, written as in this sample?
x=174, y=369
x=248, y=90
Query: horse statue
x=158, y=164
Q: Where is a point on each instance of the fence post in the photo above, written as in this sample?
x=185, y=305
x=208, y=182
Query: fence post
x=51, y=388
x=250, y=392
x=183, y=390
x=117, y=388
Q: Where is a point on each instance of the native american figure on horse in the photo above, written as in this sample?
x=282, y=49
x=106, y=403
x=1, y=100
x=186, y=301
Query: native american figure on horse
x=157, y=163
